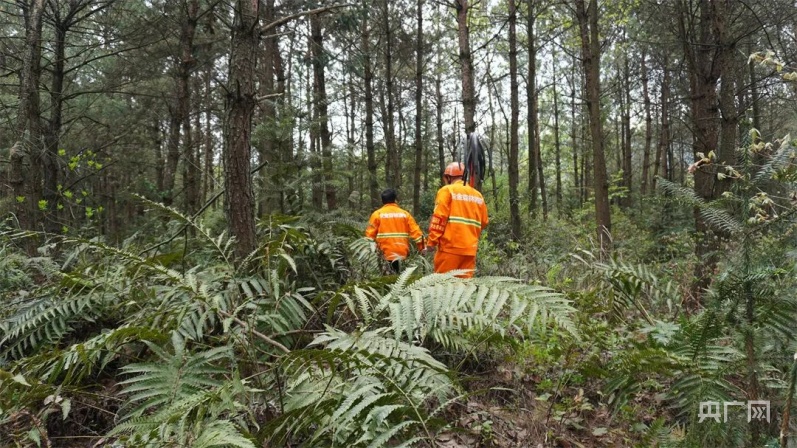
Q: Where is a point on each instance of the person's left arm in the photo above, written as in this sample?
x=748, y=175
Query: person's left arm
x=373, y=227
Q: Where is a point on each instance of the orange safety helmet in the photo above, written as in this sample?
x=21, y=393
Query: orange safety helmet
x=454, y=169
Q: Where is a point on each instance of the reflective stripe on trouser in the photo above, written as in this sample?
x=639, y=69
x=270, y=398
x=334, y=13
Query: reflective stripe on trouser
x=445, y=262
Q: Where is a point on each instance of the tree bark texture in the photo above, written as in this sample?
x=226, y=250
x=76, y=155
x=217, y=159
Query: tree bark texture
x=416, y=187
x=626, y=124
x=706, y=49
x=466, y=65
x=240, y=108
x=643, y=188
x=268, y=197
x=514, y=206
x=557, y=144
x=321, y=105
x=590, y=53
x=532, y=111
x=26, y=155
x=373, y=183
x=660, y=160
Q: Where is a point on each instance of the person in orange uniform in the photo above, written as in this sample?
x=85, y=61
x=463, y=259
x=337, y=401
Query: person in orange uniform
x=460, y=215
x=391, y=227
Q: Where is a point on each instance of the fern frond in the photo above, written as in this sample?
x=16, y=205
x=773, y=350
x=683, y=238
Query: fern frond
x=441, y=304
x=715, y=217
x=781, y=159
x=177, y=375
x=222, y=244
x=361, y=389
x=222, y=433
x=48, y=320
x=634, y=286
x=88, y=357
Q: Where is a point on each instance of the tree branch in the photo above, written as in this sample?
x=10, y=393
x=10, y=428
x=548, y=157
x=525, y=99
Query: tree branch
x=255, y=332
x=287, y=19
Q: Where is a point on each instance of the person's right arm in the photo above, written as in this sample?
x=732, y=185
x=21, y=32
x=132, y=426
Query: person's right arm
x=415, y=232
x=442, y=210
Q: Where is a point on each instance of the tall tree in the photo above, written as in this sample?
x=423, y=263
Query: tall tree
x=267, y=197
x=419, y=51
x=557, y=144
x=466, y=66
x=240, y=104
x=438, y=96
x=660, y=160
x=587, y=18
x=393, y=160
x=643, y=67
x=320, y=102
x=180, y=106
x=373, y=183
x=706, y=48
x=25, y=175
x=574, y=131
x=625, y=87
x=536, y=177
x=514, y=209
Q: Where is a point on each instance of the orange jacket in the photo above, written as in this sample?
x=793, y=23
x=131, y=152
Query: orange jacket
x=459, y=216
x=391, y=227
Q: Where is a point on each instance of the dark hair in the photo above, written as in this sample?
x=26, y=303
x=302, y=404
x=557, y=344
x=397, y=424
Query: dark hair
x=388, y=196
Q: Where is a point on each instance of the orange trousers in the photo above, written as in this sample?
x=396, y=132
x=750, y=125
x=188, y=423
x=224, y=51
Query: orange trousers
x=445, y=262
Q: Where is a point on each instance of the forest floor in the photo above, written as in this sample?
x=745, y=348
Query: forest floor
x=505, y=411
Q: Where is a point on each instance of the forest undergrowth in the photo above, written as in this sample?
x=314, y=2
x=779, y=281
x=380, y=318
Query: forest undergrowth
x=168, y=340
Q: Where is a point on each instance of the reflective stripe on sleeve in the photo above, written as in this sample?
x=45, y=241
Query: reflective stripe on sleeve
x=393, y=235
x=466, y=221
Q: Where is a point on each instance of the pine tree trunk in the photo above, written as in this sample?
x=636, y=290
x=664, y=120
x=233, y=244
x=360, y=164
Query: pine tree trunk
x=532, y=115
x=290, y=169
x=643, y=188
x=705, y=56
x=240, y=107
x=351, y=132
x=198, y=143
x=317, y=189
x=393, y=170
x=466, y=65
x=373, y=184
x=660, y=162
x=179, y=111
x=557, y=145
x=267, y=196
x=52, y=138
x=209, y=178
x=156, y=137
x=438, y=93
x=24, y=177
x=540, y=165
x=319, y=82
x=574, y=132
x=493, y=122
x=514, y=207
x=416, y=188
x=590, y=52
x=628, y=176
